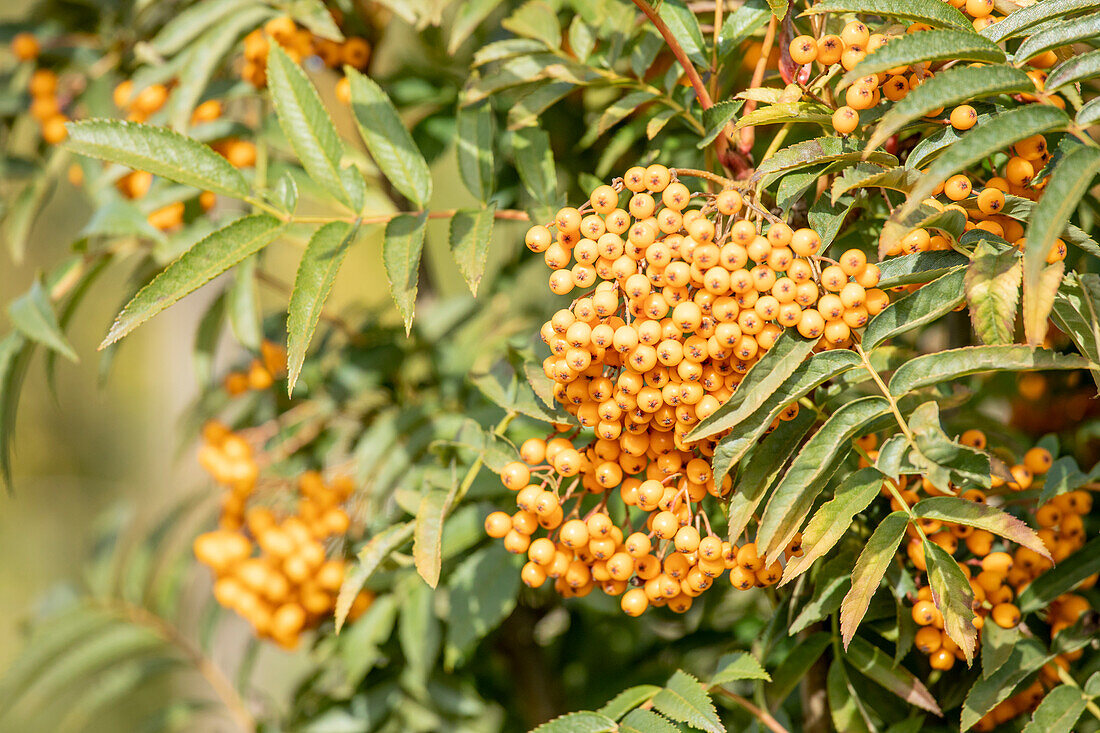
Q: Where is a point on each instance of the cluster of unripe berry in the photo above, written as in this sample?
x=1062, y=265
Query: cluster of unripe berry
x=299, y=44
x=668, y=561
x=856, y=42
x=998, y=572
x=271, y=568
x=261, y=372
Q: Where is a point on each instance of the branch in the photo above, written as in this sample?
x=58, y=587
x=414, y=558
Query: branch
x=748, y=135
x=759, y=713
x=677, y=50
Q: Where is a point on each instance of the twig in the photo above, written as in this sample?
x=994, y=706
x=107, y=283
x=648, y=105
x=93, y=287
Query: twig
x=748, y=135
x=509, y=214
x=759, y=713
x=678, y=51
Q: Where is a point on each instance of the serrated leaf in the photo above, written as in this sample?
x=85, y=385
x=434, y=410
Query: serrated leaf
x=997, y=644
x=471, y=235
x=716, y=117
x=748, y=18
x=810, y=470
x=950, y=222
x=428, y=536
x=992, y=293
x=1073, y=313
x=646, y=721
x=316, y=17
x=474, y=135
x=929, y=369
x=501, y=385
x=1027, y=656
x=952, y=594
x=192, y=21
x=1058, y=712
x=537, y=20
x=1073, y=71
x=33, y=315
x=773, y=369
x=483, y=592
x=923, y=306
x=535, y=163
x=756, y=477
x=918, y=268
x=1065, y=576
x=926, y=47
x=992, y=137
x=306, y=124
x=628, y=699
x=933, y=13
x=1089, y=114
x=832, y=520
x=683, y=24
x=783, y=112
x=1065, y=187
x=1027, y=17
x=948, y=88
x=738, y=666
x=242, y=303
x=868, y=176
x=317, y=272
x=941, y=459
x=159, y=151
x=582, y=722
x=867, y=574
x=826, y=149
x=1056, y=35
x=873, y=663
x=982, y=516
x=367, y=561
x=388, y=141
x=804, y=379
x=469, y=16
x=401, y=250
x=204, y=261
x=683, y=699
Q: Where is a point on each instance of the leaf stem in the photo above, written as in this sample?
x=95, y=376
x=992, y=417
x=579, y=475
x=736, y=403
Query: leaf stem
x=678, y=51
x=475, y=467
x=759, y=713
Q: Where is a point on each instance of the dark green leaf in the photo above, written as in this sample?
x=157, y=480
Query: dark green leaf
x=954, y=363
x=1065, y=576
x=844, y=705
x=997, y=645
x=681, y=21
x=931, y=12
x=748, y=18
x=1027, y=656
x=873, y=663
x=717, y=117
x=1074, y=70
x=1027, y=17
x=796, y=666
x=926, y=47
x=685, y=700
x=1058, y=712
x=923, y=306
x=982, y=516
x=483, y=592
x=1056, y=35
x=820, y=150
x=918, y=268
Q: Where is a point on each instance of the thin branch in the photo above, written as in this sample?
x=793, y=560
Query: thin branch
x=759, y=713
x=508, y=214
x=678, y=51
x=748, y=135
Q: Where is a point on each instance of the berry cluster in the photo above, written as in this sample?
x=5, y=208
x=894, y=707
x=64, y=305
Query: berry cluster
x=261, y=373
x=271, y=569
x=299, y=44
x=46, y=106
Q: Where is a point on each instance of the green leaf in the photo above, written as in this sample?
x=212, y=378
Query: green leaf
x=683, y=24
x=929, y=369
x=428, y=536
x=926, y=47
x=811, y=469
x=1064, y=475
x=925, y=305
x=683, y=699
x=207, y=335
x=716, y=117
x=646, y=721
x=795, y=667
x=831, y=584
x=622, y=108
x=1065, y=576
x=845, y=707
x=941, y=459
x=316, y=17
x=993, y=292
x=368, y=559
x=582, y=722
x=1089, y=114
x=950, y=222
x=627, y=700
x=948, y=88
x=306, y=124
x=192, y=21
x=535, y=19
x=1065, y=187
x=870, y=176
x=775, y=114
x=1056, y=35
x=738, y=666
x=207, y=259
x=1000, y=132
x=469, y=16
x=535, y=163
x=953, y=596
x=982, y=516
x=997, y=645
x=1024, y=18
x=1027, y=656
x=33, y=316
x=780, y=8
x=831, y=522
x=483, y=592
x=15, y=354
x=389, y=143
x=242, y=302
x=20, y=215
x=1074, y=70
x=471, y=235
x=1058, y=712
x=401, y=251
x=921, y=267
x=877, y=554
x=873, y=663
x=159, y=151
x=317, y=272
x=757, y=475
x=1073, y=313
x=501, y=385
x=762, y=380
x=748, y=18
x=936, y=14
x=474, y=136
x=826, y=149
x=804, y=379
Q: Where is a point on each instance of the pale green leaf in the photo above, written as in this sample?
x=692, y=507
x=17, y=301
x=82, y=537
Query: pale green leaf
x=953, y=596
x=428, y=537
x=628, y=699
x=367, y=561
x=582, y=722
x=1059, y=34
x=401, y=250
x=992, y=293
x=867, y=574
x=646, y=721
x=469, y=16
x=1020, y=21
x=1058, y=712
x=33, y=315
x=474, y=136
x=738, y=666
x=1073, y=71
x=471, y=235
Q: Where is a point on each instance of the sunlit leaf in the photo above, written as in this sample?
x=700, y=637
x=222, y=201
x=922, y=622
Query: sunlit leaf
x=401, y=250
x=871, y=565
